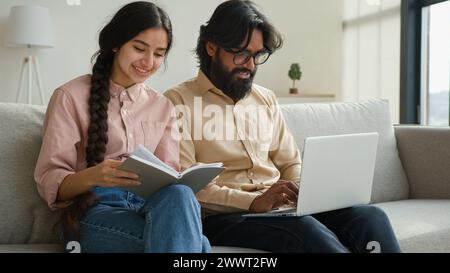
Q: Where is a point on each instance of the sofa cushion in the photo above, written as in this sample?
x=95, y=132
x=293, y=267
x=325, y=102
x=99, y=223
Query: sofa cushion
x=304, y=120
x=420, y=225
x=425, y=154
x=25, y=217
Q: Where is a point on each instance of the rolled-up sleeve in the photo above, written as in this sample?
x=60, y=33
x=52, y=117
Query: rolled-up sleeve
x=58, y=154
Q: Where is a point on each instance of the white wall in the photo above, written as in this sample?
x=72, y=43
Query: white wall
x=312, y=31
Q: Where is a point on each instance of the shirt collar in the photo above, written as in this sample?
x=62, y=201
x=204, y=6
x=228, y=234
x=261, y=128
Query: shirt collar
x=131, y=93
x=205, y=85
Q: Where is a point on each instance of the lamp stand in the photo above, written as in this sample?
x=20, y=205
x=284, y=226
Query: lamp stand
x=28, y=63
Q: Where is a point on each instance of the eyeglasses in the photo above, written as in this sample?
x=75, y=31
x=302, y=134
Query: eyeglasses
x=242, y=57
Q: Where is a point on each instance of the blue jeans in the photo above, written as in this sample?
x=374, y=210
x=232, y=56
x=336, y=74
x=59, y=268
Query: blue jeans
x=339, y=231
x=168, y=221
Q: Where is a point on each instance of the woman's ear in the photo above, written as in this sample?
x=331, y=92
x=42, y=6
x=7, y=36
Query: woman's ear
x=211, y=48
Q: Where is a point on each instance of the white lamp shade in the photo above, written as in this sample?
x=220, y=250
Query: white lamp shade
x=29, y=26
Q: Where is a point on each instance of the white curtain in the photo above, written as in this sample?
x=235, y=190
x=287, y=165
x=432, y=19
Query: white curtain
x=371, y=62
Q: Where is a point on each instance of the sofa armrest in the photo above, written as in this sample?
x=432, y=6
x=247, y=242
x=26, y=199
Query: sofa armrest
x=425, y=155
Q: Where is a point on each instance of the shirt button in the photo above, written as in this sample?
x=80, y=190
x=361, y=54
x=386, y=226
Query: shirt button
x=181, y=130
x=130, y=135
x=124, y=112
x=250, y=174
x=123, y=93
x=180, y=115
x=252, y=154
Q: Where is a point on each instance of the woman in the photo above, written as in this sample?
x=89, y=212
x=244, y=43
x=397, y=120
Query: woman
x=93, y=122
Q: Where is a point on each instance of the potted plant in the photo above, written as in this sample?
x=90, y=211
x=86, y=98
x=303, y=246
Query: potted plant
x=295, y=74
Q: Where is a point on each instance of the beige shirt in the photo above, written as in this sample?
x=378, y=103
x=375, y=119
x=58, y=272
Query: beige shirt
x=137, y=115
x=250, y=137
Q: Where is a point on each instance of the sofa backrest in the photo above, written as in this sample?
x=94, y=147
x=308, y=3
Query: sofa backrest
x=321, y=119
x=24, y=216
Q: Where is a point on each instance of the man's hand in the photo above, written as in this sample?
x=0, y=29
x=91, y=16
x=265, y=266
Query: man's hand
x=281, y=193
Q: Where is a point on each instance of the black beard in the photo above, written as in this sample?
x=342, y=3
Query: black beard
x=225, y=81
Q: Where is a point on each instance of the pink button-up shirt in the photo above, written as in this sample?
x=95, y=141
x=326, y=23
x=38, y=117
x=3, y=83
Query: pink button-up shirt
x=137, y=115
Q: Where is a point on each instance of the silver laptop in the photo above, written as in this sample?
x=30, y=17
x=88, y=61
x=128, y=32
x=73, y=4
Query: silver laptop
x=337, y=172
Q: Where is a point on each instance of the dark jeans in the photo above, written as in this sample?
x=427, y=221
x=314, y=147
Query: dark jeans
x=343, y=230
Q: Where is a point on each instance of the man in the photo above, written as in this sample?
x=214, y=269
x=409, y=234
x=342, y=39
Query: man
x=224, y=117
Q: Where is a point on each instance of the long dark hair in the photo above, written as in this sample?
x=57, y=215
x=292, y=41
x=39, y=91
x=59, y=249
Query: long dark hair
x=126, y=24
x=230, y=24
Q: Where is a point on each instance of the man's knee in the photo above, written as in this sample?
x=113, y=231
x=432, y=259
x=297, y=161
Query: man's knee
x=303, y=229
x=306, y=234
x=370, y=214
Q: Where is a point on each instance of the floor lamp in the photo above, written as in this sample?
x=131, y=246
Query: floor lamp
x=30, y=27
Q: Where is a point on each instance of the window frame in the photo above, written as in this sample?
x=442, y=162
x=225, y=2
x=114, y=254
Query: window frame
x=411, y=64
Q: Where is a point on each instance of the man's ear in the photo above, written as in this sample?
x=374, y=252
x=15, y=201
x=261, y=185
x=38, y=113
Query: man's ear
x=211, y=48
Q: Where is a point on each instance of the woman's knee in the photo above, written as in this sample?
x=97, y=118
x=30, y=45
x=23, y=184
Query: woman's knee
x=178, y=195
x=179, y=192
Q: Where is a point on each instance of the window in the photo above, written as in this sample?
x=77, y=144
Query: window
x=371, y=58
x=435, y=72
x=425, y=62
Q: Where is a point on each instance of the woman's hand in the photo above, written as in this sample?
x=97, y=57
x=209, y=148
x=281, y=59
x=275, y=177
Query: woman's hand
x=106, y=174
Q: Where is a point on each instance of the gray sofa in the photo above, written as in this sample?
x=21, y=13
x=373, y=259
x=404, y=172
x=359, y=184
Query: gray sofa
x=411, y=181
